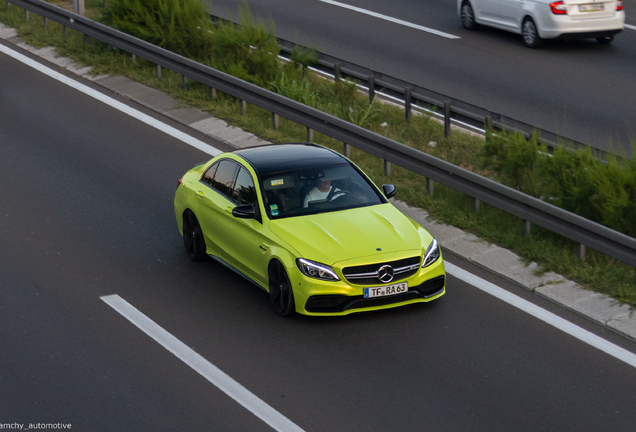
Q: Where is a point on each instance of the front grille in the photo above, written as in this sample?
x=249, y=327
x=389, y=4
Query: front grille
x=368, y=274
x=341, y=303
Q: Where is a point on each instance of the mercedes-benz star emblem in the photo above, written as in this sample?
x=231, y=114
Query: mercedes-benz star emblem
x=385, y=274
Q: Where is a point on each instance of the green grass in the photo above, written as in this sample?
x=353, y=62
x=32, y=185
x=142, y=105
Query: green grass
x=551, y=251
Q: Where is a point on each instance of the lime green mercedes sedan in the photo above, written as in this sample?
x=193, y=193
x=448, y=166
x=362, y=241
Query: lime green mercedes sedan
x=308, y=226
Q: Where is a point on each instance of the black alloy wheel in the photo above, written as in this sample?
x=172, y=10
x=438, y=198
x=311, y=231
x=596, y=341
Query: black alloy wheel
x=605, y=40
x=193, y=237
x=468, y=16
x=530, y=34
x=280, y=290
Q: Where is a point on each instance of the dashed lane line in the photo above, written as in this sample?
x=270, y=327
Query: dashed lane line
x=206, y=369
x=391, y=19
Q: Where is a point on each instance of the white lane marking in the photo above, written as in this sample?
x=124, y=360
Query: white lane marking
x=175, y=133
x=391, y=19
x=631, y=27
x=210, y=372
x=542, y=314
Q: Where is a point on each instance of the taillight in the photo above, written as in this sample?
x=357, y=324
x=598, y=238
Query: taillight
x=179, y=182
x=619, y=5
x=558, y=8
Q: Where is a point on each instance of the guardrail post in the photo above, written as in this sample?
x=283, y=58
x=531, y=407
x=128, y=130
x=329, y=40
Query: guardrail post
x=78, y=7
x=336, y=72
x=310, y=135
x=371, y=89
x=243, y=107
x=580, y=252
x=347, y=150
x=26, y=15
x=158, y=69
x=430, y=185
x=46, y=22
x=488, y=122
x=212, y=92
x=134, y=58
x=184, y=82
x=476, y=205
x=447, y=118
x=275, y=121
x=407, y=103
x=526, y=228
x=87, y=38
x=65, y=30
x=387, y=168
x=8, y=4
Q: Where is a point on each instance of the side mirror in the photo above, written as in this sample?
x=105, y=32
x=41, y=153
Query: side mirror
x=245, y=211
x=389, y=190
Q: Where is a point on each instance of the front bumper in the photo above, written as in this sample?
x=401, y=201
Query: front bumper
x=315, y=297
x=340, y=303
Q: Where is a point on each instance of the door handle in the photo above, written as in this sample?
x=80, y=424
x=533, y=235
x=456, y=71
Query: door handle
x=228, y=210
x=200, y=194
x=263, y=248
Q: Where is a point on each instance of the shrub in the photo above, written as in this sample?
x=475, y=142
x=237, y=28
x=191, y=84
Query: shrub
x=180, y=26
x=514, y=158
x=604, y=192
x=248, y=51
x=576, y=180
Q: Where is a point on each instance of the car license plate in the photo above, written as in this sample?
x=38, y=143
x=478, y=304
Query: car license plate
x=592, y=7
x=386, y=290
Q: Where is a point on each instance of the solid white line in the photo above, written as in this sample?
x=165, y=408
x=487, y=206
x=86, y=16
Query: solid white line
x=175, y=133
x=542, y=314
x=210, y=372
x=631, y=27
x=391, y=19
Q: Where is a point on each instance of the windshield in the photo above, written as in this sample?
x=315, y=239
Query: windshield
x=317, y=190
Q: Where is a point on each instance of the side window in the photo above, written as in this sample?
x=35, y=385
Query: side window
x=244, y=190
x=224, y=177
x=209, y=174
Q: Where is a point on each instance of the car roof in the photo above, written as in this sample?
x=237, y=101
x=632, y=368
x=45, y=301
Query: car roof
x=275, y=158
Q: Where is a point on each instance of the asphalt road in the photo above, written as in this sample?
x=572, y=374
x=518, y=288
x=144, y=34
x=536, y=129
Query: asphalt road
x=578, y=89
x=86, y=211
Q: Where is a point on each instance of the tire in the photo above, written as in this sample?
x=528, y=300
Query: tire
x=530, y=34
x=193, y=237
x=281, y=295
x=605, y=40
x=468, y=16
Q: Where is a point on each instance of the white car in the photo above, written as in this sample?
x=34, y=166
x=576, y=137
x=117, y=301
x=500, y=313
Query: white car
x=536, y=20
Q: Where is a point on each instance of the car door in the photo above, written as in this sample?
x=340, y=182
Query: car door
x=511, y=13
x=247, y=243
x=486, y=11
x=214, y=207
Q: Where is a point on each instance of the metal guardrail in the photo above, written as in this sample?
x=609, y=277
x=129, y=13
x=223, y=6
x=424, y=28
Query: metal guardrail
x=569, y=225
x=450, y=110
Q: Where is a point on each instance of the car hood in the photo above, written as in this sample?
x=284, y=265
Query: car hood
x=336, y=236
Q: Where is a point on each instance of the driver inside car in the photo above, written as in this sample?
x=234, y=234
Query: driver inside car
x=322, y=192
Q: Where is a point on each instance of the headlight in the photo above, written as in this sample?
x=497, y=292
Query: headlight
x=432, y=254
x=316, y=270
